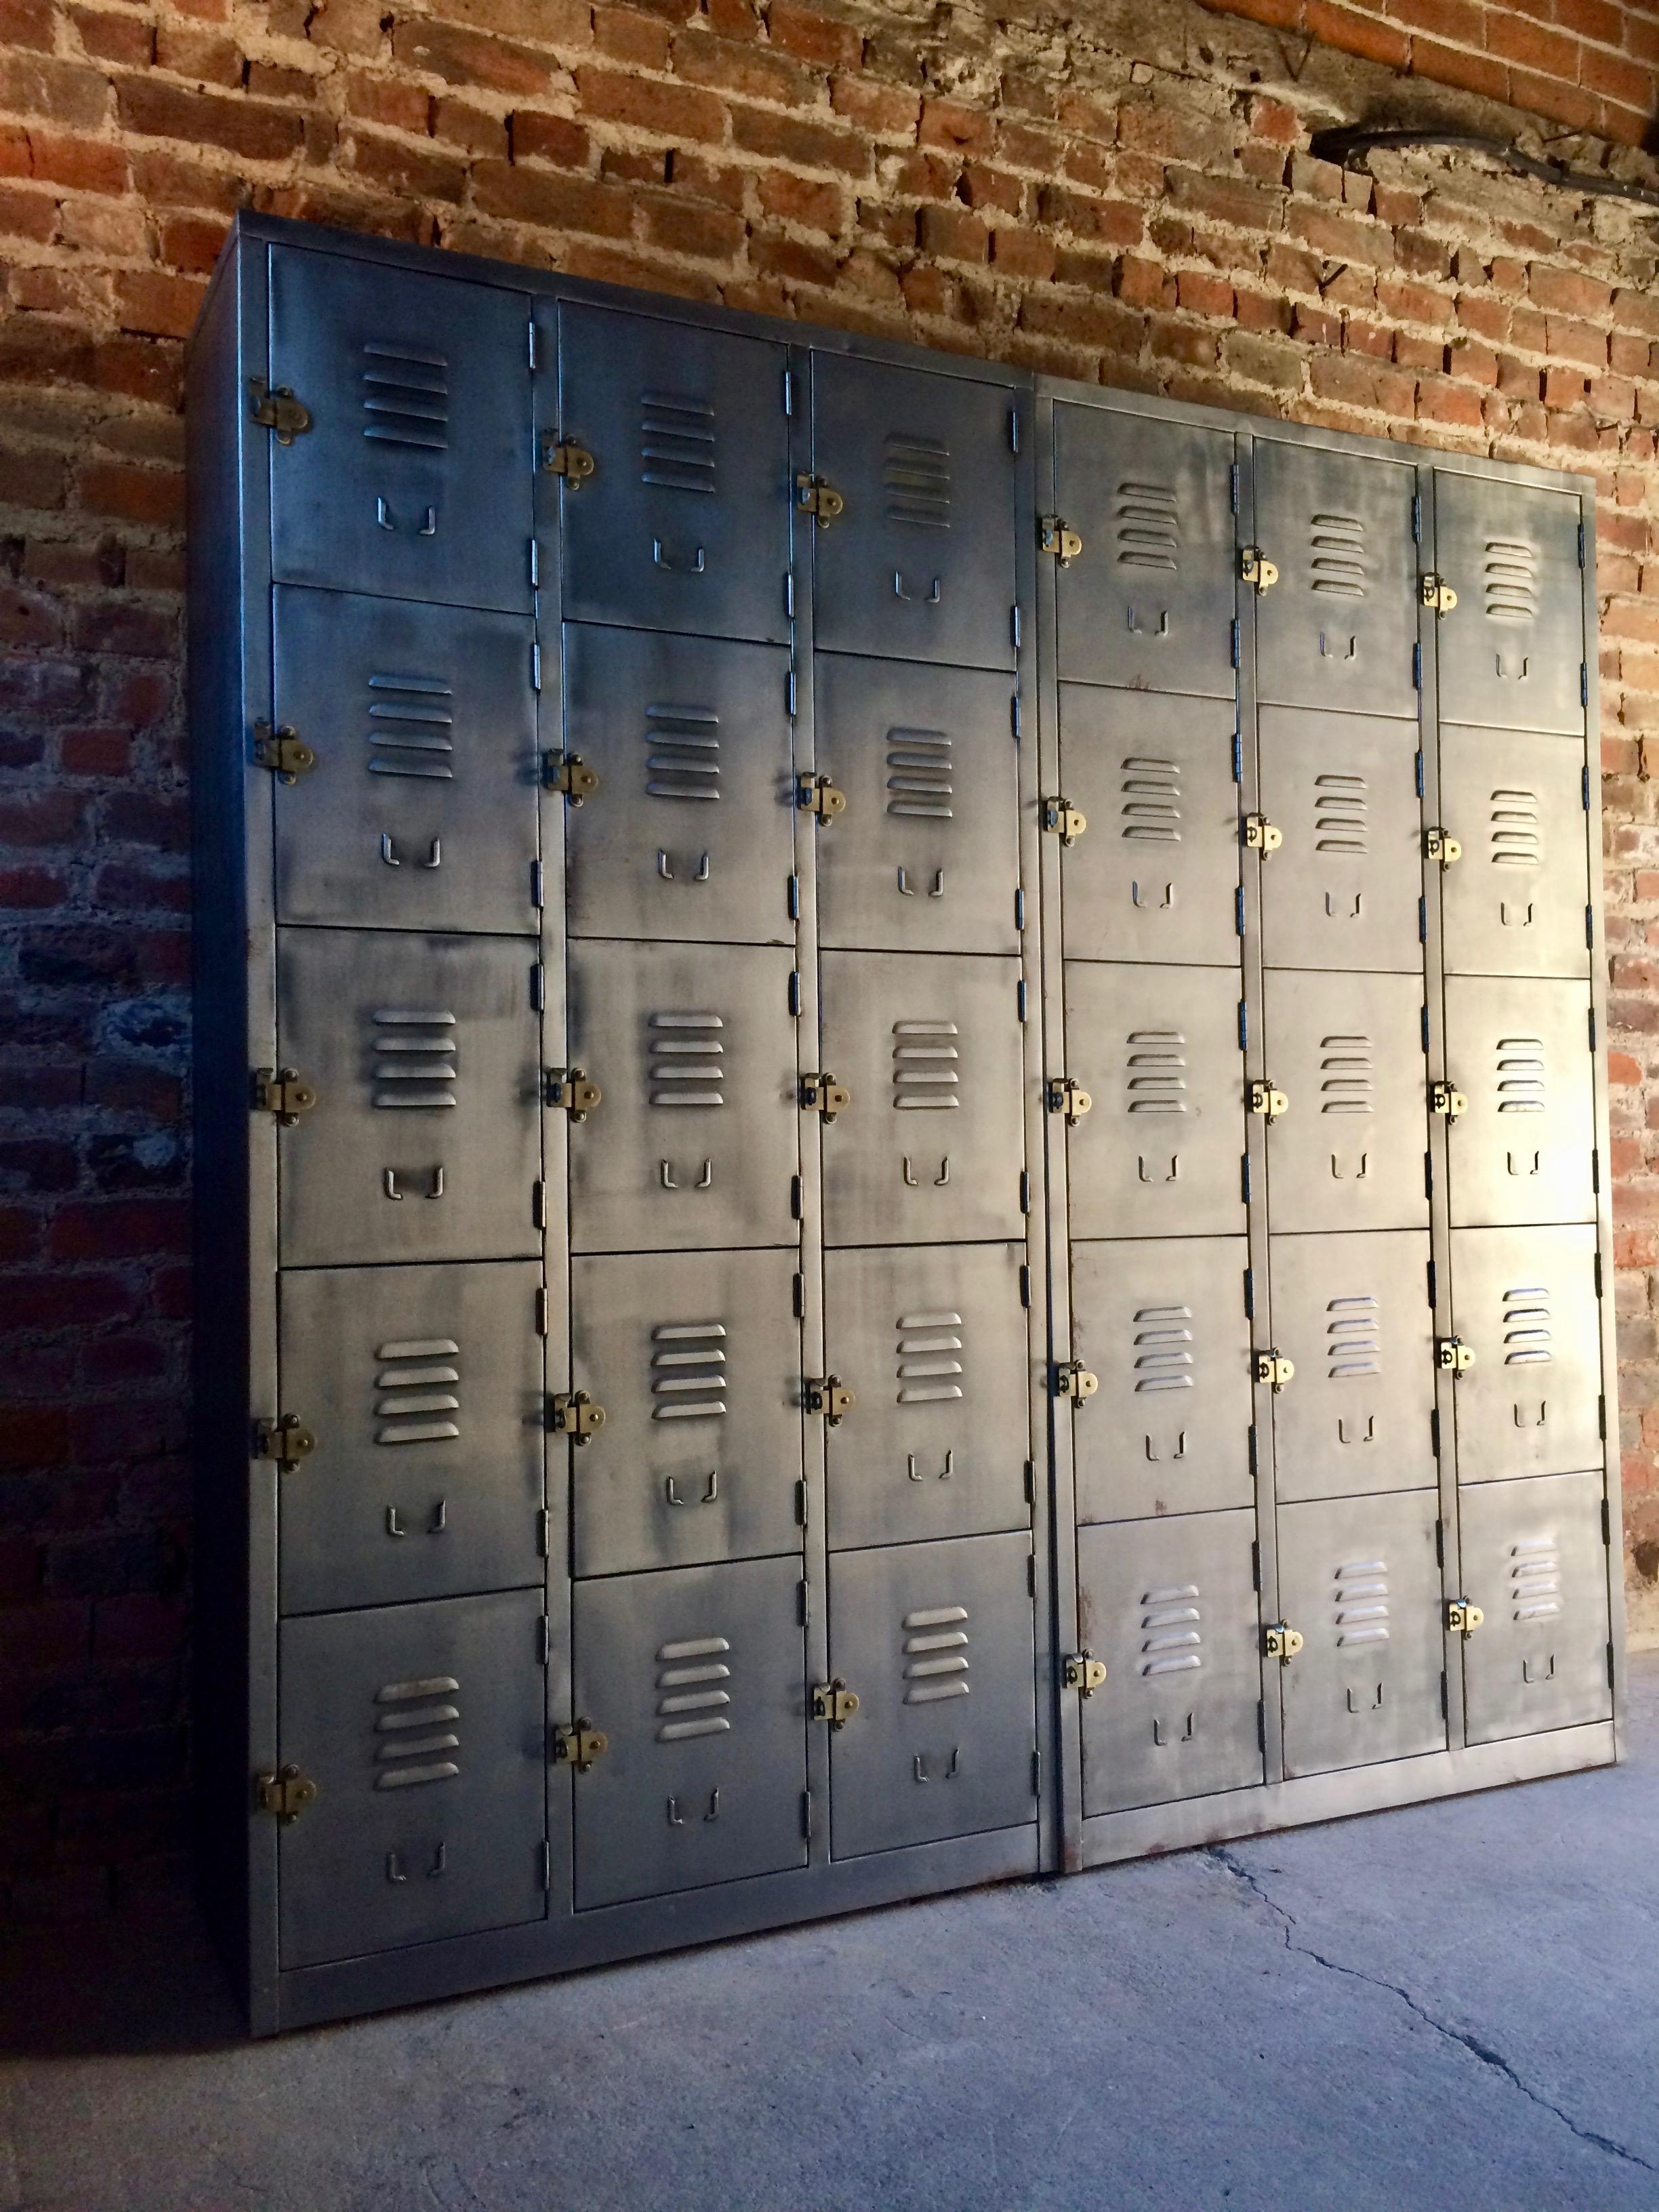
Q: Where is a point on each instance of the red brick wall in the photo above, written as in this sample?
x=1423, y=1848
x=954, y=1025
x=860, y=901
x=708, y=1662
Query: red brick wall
x=1135, y=205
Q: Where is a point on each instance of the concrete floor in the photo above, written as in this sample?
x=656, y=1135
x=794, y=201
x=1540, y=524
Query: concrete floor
x=1459, y=2004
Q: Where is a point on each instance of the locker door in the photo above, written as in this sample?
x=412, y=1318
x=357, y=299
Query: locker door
x=926, y=858
x=932, y=1341
x=697, y=1679
x=696, y=1138
x=937, y=1641
x=1347, y=1052
x=921, y=562
x=1344, y=890
x=695, y=1358
x=1359, y=1578
x=425, y=1141
x=1338, y=628
x=1149, y=603
x=690, y=835
x=1517, y=901
x=1535, y=1561
x=1155, y=876
x=414, y=479
x=1163, y=1326
x=424, y=1729
x=1524, y=1303
x=684, y=522
x=1520, y=1054
x=1170, y=1606
x=932, y=1147
x=424, y=1389
x=1511, y=652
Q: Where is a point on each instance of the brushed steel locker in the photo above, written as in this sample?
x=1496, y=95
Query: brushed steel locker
x=697, y=1137
x=1164, y=1327
x=1524, y=1303
x=932, y=1147
x=1338, y=630
x=926, y=858
x=1534, y=1559
x=695, y=1359
x=697, y=1679
x=1170, y=1607
x=425, y=1141
x=1351, y=1314
x=1149, y=603
x=936, y=1639
x=423, y=1728
x=1155, y=875
x=1519, y=1054
x=411, y=479
x=423, y=1388
x=684, y=523
x=1517, y=901
x=920, y=564
x=931, y=1338
x=1347, y=1050
x=1359, y=1580
x=690, y=837
x=1511, y=652
x=1161, y=1151
x=1345, y=888
x=420, y=812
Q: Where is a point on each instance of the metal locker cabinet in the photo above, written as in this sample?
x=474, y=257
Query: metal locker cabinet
x=1170, y=1608
x=1525, y=1309
x=1345, y=888
x=1517, y=902
x=1155, y=875
x=1511, y=652
x=1534, y=1558
x=409, y=478
x=422, y=1390
x=1523, y=1147
x=1149, y=601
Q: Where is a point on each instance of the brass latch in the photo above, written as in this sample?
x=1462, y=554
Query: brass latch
x=814, y=497
x=828, y=1395
x=1055, y=536
x=575, y=1415
x=1452, y=1355
x=279, y=1090
x=1263, y=1099
x=1272, y=1367
x=1261, y=835
x=570, y=1088
x=1443, y=1099
x=570, y=773
x=816, y=794
x=822, y=1094
x=281, y=751
x=1082, y=1673
x=579, y=1746
x=1462, y=1618
x=1281, y=1642
x=1067, y=822
x=1438, y=595
x=1255, y=568
x=562, y=457
x=287, y=1440
x=1073, y=1380
x=287, y=1793
x=1438, y=846
x=279, y=411
x=1065, y=1097
x=835, y=1703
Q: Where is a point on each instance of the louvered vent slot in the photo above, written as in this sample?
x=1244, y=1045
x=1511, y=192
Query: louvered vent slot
x=1511, y=580
x=417, y=1379
x=1164, y=1348
x=681, y=752
x=919, y=773
x=688, y=1371
x=409, y=726
x=416, y=1730
x=1171, y=1631
x=1148, y=526
x=691, y=1701
x=1521, y=1075
x=1527, y=1326
x=925, y=1079
x=935, y=1654
x=929, y=1358
x=915, y=477
x=1362, y=1602
x=676, y=442
x=407, y=398
x=1516, y=840
x=1340, y=810
x=1535, y=1579
x=1156, y=1071
x=1151, y=799
x=1353, y=1338
x=685, y=1061
x=1338, y=556
x=1346, y=1075
x=414, y=1057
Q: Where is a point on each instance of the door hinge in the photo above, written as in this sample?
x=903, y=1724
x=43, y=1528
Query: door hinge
x=279, y=411
x=1064, y=821
x=1261, y=1098
x=287, y=1440
x=1255, y=568
x=1438, y=846
x=544, y=1534
x=828, y=1395
x=281, y=751
x=1056, y=536
x=1443, y=1099
x=573, y=1413
x=569, y=1087
x=1281, y=1642
x=815, y=496
x=570, y=773
x=1261, y=835
x=579, y=1746
x=834, y=1702
x=822, y=1094
x=1462, y=1618
x=286, y=1793
x=1272, y=1367
x=1437, y=593
x=1073, y=1380
x=1066, y=1097
x=562, y=457
x=1452, y=1355
x=1083, y=1673
x=279, y=1090
x=816, y=794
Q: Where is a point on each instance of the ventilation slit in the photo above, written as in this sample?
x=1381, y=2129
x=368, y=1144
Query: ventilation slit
x=685, y=1051
x=681, y=750
x=1156, y=1071
x=915, y=477
x=1162, y=1353
x=1362, y=1602
x=676, y=443
x=414, y=1058
x=419, y=1378
x=688, y=1371
x=1338, y=556
x=407, y=398
x=927, y=1347
x=925, y=1079
x=1521, y=1075
x=1527, y=1326
x=409, y=730
x=1148, y=532
x=1346, y=1075
x=935, y=1654
x=1535, y=1579
x=1171, y=1631
x=689, y=1673
x=1354, y=1338
x=424, y=1724
x=1151, y=799
x=1510, y=580
x=919, y=773
x=1516, y=840
x=1340, y=811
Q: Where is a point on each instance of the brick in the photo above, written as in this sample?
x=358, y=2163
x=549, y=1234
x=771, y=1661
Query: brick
x=84, y=165
x=805, y=200
x=813, y=36
x=790, y=139
x=1357, y=35
x=1472, y=72
x=71, y=93
x=949, y=125
x=680, y=227
x=884, y=109
x=953, y=234
x=751, y=71
x=400, y=167
x=471, y=59
x=133, y=494
x=260, y=131
x=559, y=202
x=668, y=111
x=547, y=138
